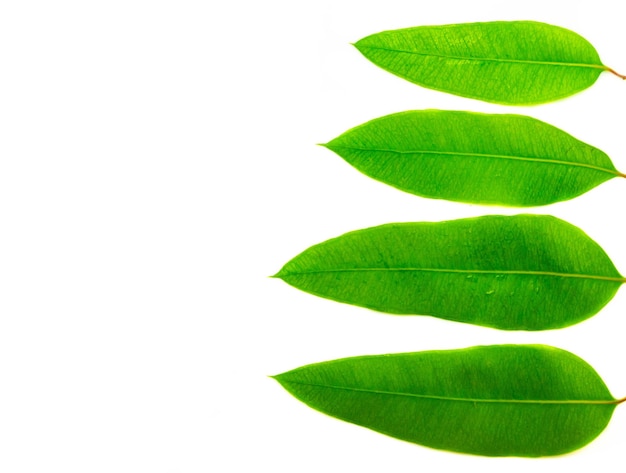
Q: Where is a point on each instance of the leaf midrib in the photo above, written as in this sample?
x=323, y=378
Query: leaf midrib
x=514, y=61
x=481, y=155
x=466, y=271
x=462, y=399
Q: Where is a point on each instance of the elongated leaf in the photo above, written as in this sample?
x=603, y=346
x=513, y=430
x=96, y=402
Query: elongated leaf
x=508, y=62
x=504, y=400
x=474, y=157
x=525, y=272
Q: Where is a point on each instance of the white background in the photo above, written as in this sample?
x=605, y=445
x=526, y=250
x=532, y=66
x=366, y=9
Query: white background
x=158, y=163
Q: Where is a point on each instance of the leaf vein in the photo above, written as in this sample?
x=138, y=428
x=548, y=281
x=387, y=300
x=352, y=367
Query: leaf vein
x=488, y=59
x=463, y=399
x=496, y=156
x=471, y=271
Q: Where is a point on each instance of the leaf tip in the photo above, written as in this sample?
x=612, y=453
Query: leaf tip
x=356, y=45
x=278, y=275
x=277, y=378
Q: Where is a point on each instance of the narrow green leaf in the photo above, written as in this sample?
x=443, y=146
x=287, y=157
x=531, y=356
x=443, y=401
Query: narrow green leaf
x=504, y=400
x=508, y=62
x=525, y=272
x=474, y=157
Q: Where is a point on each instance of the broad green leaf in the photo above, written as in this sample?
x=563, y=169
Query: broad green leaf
x=503, y=400
x=508, y=62
x=525, y=272
x=473, y=157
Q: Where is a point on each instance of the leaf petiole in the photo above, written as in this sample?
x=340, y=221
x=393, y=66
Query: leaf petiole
x=613, y=71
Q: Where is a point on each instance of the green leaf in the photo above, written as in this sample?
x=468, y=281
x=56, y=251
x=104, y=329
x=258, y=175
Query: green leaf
x=525, y=272
x=508, y=62
x=474, y=157
x=505, y=400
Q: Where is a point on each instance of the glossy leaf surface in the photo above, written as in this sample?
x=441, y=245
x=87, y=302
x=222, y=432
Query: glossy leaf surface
x=505, y=400
x=473, y=157
x=508, y=62
x=525, y=272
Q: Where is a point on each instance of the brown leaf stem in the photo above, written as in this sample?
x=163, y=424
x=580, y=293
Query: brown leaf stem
x=612, y=71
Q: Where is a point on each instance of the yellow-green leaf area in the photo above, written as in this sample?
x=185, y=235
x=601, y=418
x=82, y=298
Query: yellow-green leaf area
x=494, y=159
x=507, y=62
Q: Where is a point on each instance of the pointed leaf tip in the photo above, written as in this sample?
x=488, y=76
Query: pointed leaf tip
x=281, y=274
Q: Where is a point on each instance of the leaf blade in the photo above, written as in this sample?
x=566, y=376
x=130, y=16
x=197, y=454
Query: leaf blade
x=525, y=272
x=501, y=159
x=507, y=62
x=503, y=400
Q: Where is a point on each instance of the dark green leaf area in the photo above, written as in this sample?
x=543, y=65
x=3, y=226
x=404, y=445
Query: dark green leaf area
x=525, y=272
x=507, y=400
x=507, y=62
x=509, y=160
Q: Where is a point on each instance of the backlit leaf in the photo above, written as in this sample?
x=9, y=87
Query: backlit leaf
x=504, y=400
x=474, y=157
x=508, y=62
x=525, y=272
